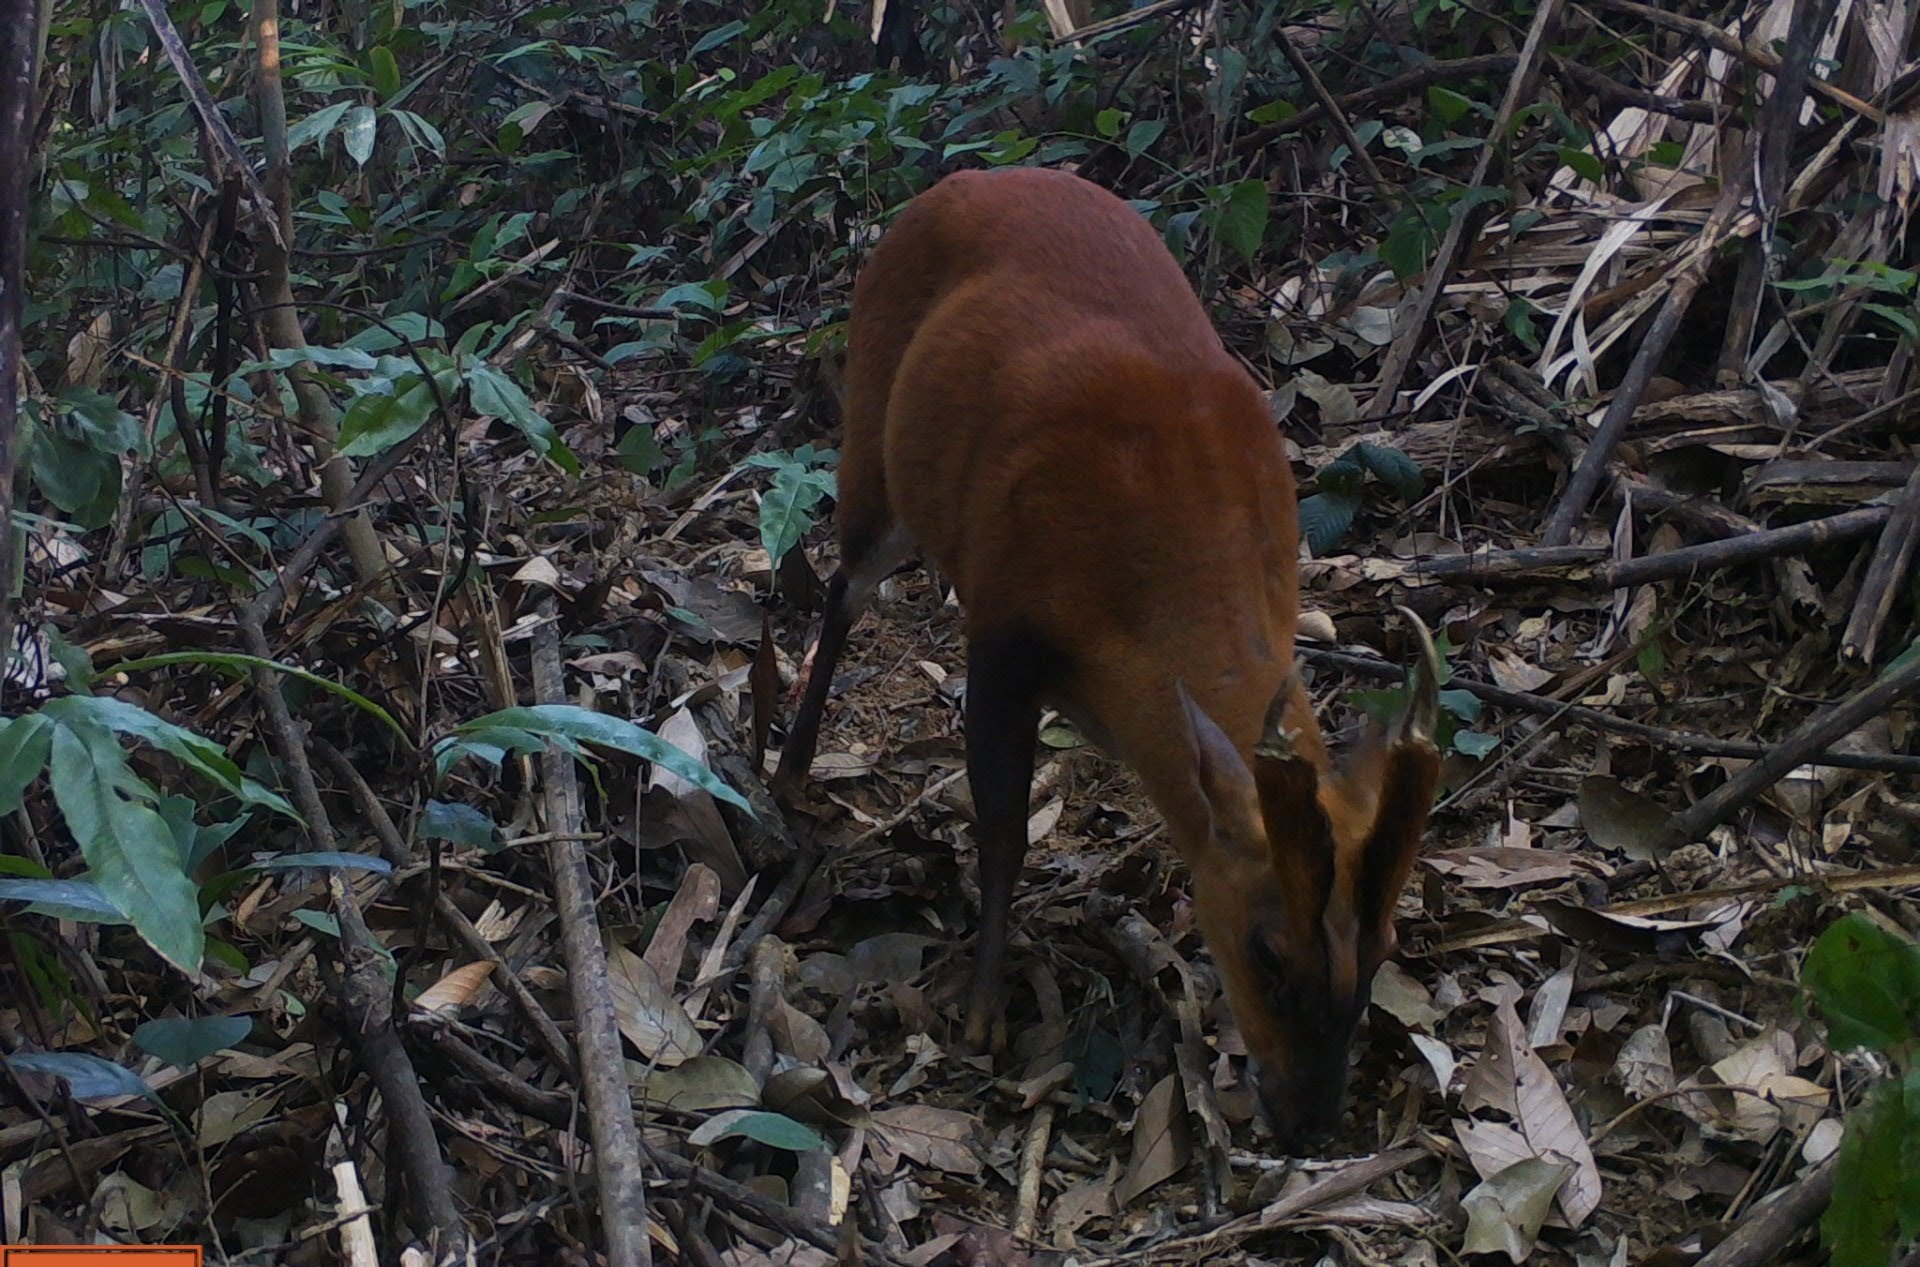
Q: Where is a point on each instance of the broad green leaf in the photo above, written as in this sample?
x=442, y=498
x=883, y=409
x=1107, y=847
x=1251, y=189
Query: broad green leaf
x=569, y=723
x=1862, y=1222
x=775, y=1130
x=126, y=843
x=322, y=860
x=184, y=1042
x=1866, y=980
x=496, y=394
x=316, y=126
x=1392, y=467
x=76, y=900
x=716, y=37
x=1142, y=135
x=459, y=823
x=24, y=744
x=1243, y=221
x=1325, y=518
x=361, y=131
x=87, y=1077
x=384, y=71
x=376, y=421
x=197, y=751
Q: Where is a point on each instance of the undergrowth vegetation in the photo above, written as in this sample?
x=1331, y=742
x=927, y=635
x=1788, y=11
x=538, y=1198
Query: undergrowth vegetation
x=418, y=389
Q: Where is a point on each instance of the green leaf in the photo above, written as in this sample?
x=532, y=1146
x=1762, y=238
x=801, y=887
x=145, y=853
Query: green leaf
x=76, y=477
x=375, y=421
x=1325, y=518
x=239, y=664
x=184, y=1042
x=1243, y=220
x=77, y=900
x=496, y=394
x=570, y=725
x=317, y=126
x=639, y=452
x=384, y=71
x=1392, y=467
x=198, y=752
x=775, y=1130
x=321, y=860
x=361, y=131
x=1473, y=744
x=1107, y=122
x=460, y=823
x=87, y=1077
x=126, y=843
x=1866, y=980
x=1861, y=1224
x=1142, y=135
x=716, y=37
x=1584, y=164
x=101, y=422
x=1900, y=318
x=786, y=509
x=24, y=744
x=1448, y=105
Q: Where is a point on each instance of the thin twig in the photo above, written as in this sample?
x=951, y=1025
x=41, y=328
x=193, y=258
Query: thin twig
x=616, y=1141
x=1469, y=215
x=1823, y=729
x=1594, y=719
x=1886, y=575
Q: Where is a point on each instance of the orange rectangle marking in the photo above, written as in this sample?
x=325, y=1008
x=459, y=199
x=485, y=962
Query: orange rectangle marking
x=102, y=1256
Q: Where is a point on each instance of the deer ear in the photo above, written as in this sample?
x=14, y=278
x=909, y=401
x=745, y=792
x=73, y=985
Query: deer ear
x=1408, y=771
x=1299, y=838
x=1224, y=782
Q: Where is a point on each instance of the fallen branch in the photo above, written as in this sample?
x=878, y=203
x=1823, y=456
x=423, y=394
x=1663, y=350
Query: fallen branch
x=1595, y=719
x=603, y=1071
x=1820, y=731
x=361, y=993
x=1886, y=575
x=1762, y=1234
x=1535, y=562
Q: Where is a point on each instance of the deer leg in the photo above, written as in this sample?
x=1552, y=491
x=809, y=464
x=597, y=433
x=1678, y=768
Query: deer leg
x=1004, y=675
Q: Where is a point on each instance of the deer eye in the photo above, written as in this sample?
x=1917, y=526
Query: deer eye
x=1267, y=959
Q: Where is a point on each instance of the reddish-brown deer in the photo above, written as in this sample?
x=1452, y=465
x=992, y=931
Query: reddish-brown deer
x=1035, y=397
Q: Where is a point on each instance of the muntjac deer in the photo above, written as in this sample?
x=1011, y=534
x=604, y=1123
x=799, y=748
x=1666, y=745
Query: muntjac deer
x=1036, y=397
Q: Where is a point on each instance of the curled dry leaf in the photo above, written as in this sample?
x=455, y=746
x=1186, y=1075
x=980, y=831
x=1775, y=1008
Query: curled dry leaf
x=696, y=901
x=1399, y=994
x=701, y=1084
x=1622, y=820
x=1505, y=1211
x=455, y=990
x=1644, y=1067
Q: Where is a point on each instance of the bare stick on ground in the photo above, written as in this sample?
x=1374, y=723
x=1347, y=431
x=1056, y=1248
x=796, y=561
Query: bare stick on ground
x=361, y=992
x=1533, y=562
x=1764, y=1233
x=1595, y=719
x=1803, y=745
x=603, y=1071
x=1885, y=577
